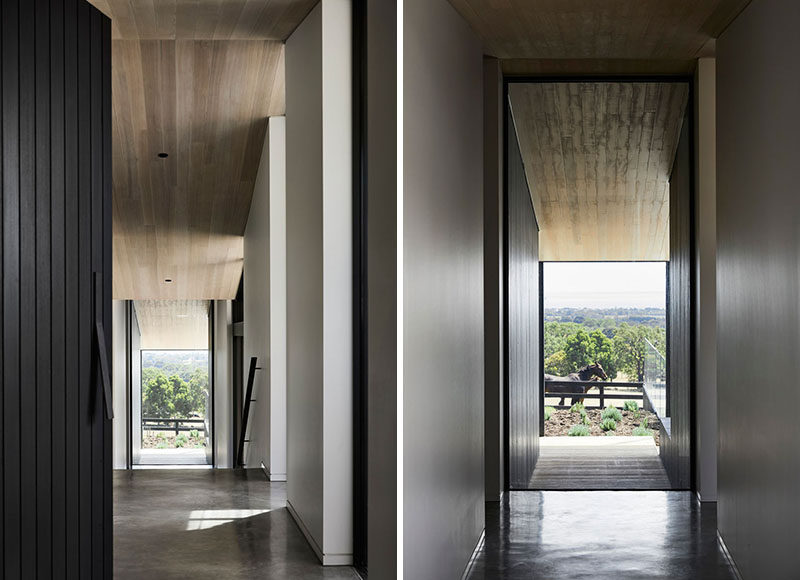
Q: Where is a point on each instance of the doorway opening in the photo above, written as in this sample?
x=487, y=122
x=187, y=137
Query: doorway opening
x=171, y=383
x=605, y=335
x=598, y=260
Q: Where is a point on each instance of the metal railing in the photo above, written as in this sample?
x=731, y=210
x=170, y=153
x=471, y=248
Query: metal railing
x=655, y=380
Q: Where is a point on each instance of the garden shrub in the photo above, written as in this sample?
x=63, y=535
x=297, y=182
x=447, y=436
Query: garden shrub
x=585, y=421
x=181, y=440
x=578, y=408
x=609, y=424
x=578, y=431
x=194, y=433
x=611, y=412
x=631, y=406
x=642, y=432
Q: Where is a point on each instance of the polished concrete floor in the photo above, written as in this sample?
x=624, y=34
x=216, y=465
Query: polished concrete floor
x=600, y=535
x=208, y=524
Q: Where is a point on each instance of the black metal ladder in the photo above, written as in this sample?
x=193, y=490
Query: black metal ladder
x=251, y=375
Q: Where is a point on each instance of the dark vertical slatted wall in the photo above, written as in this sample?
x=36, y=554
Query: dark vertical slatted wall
x=676, y=449
x=523, y=372
x=56, y=233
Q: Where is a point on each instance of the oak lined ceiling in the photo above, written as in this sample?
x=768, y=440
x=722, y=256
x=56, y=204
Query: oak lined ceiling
x=182, y=218
x=544, y=34
x=598, y=156
x=195, y=79
x=204, y=19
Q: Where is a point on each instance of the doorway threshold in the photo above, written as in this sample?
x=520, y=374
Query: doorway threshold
x=173, y=459
x=599, y=463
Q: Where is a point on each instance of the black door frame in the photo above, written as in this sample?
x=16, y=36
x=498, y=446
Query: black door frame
x=689, y=116
x=359, y=280
x=129, y=390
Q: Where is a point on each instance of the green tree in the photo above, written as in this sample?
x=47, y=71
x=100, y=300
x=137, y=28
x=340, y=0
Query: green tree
x=157, y=399
x=583, y=349
x=557, y=364
x=198, y=389
x=630, y=347
x=556, y=334
x=181, y=396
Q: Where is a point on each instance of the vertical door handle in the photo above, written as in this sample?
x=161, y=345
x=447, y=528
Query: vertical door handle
x=100, y=339
x=104, y=373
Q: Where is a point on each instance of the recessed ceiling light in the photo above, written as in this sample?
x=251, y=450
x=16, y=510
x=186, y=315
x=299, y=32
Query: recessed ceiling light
x=163, y=155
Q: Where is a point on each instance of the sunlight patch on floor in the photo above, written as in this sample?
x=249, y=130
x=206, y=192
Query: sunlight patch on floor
x=206, y=519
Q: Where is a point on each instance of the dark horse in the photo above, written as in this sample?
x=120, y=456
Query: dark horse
x=585, y=374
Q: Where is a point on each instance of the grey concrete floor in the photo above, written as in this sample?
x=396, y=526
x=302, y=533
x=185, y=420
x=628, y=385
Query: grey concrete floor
x=600, y=535
x=198, y=524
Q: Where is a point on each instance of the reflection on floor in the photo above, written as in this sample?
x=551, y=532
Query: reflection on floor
x=208, y=524
x=173, y=457
x=600, y=535
x=599, y=463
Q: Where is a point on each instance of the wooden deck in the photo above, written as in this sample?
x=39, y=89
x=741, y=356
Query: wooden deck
x=172, y=457
x=599, y=463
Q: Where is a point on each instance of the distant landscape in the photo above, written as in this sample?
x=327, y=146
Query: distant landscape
x=608, y=317
x=615, y=337
x=174, y=383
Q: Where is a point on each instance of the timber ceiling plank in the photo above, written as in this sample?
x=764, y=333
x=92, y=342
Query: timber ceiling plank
x=195, y=79
x=597, y=157
x=182, y=218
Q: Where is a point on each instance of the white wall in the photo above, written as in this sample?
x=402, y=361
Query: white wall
x=119, y=383
x=277, y=298
x=319, y=279
x=223, y=384
x=443, y=332
x=265, y=306
x=706, y=279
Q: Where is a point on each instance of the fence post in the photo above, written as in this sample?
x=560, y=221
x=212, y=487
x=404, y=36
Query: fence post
x=602, y=396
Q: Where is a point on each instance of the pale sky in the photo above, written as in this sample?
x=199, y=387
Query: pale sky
x=605, y=284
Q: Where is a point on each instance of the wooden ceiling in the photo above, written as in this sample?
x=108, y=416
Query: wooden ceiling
x=195, y=79
x=204, y=19
x=588, y=31
x=173, y=324
x=598, y=156
x=205, y=104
